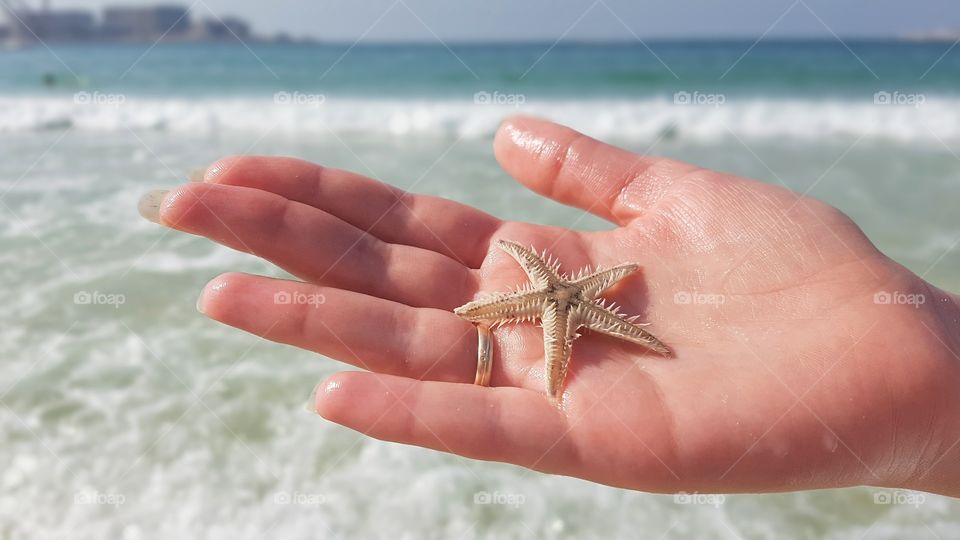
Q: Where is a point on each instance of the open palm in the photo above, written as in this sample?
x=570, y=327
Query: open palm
x=788, y=370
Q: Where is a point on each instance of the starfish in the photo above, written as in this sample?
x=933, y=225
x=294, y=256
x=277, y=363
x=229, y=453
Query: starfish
x=563, y=304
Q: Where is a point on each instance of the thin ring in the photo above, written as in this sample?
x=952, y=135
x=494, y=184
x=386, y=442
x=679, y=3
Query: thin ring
x=484, y=355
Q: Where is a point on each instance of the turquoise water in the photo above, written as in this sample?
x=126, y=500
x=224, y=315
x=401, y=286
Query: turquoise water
x=140, y=418
x=784, y=68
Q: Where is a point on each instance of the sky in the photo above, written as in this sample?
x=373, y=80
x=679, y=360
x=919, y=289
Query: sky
x=550, y=20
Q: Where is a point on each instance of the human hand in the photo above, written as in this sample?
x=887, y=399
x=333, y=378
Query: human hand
x=786, y=371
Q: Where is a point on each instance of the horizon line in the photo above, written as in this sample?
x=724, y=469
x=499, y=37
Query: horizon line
x=281, y=38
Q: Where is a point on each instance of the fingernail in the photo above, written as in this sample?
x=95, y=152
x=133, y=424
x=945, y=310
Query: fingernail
x=311, y=406
x=200, y=302
x=197, y=175
x=149, y=205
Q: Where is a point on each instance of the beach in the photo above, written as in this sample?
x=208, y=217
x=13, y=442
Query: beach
x=130, y=415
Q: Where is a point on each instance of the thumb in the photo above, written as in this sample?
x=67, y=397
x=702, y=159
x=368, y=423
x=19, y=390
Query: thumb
x=576, y=170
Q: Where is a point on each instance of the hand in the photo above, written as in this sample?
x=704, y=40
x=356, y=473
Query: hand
x=789, y=370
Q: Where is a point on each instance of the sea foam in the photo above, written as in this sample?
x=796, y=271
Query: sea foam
x=936, y=119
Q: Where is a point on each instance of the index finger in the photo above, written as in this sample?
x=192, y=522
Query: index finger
x=389, y=213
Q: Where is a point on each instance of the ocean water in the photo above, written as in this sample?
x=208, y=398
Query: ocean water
x=126, y=414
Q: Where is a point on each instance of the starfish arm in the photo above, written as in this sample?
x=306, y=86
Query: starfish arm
x=499, y=308
x=559, y=331
x=597, y=282
x=540, y=272
x=607, y=321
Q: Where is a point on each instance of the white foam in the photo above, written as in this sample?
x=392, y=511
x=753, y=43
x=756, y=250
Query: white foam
x=938, y=118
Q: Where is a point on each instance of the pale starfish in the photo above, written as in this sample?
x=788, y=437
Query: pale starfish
x=563, y=304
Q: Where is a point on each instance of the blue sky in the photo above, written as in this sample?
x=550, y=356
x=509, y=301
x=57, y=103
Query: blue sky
x=548, y=20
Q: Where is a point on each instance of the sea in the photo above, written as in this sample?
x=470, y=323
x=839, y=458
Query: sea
x=126, y=414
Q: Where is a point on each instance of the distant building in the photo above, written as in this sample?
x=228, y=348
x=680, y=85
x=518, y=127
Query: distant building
x=140, y=23
x=127, y=24
x=225, y=28
x=64, y=25
x=943, y=35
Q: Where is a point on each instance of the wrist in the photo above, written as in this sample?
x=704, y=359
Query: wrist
x=938, y=469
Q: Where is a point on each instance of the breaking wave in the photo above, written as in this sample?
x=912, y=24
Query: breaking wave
x=935, y=119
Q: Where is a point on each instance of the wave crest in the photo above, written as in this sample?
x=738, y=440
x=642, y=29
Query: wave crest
x=936, y=119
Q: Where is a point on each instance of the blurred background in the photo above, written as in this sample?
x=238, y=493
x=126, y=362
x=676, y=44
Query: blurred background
x=126, y=414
